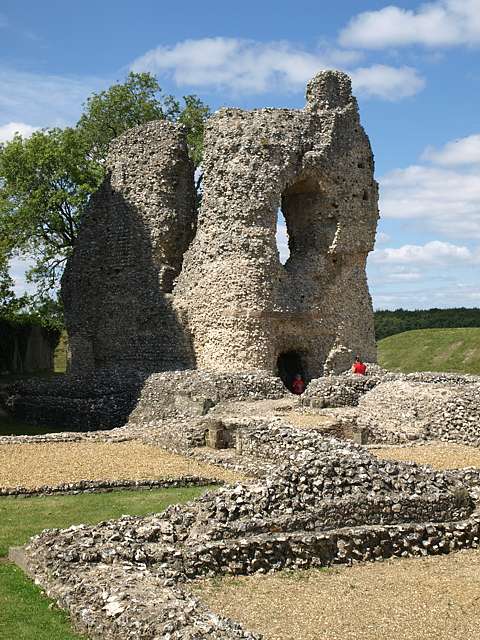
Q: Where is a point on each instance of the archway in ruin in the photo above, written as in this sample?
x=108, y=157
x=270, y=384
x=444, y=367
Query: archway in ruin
x=289, y=364
x=310, y=220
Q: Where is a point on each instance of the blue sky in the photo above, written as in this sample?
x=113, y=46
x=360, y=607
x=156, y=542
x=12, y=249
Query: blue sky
x=415, y=70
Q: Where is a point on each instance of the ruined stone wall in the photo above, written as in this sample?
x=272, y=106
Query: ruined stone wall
x=244, y=307
x=117, y=285
x=234, y=307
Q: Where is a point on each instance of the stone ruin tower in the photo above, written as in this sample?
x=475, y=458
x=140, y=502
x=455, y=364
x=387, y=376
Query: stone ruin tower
x=149, y=286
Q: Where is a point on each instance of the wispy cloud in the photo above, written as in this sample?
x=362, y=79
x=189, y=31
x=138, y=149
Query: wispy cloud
x=433, y=253
x=443, y=195
x=43, y=100
x=389, y=83
x=246, y=66
x=441, y=23
x=7, y=131
x=444, y=200
x=464, y=151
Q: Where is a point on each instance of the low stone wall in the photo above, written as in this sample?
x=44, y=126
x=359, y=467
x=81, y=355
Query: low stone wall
x=407, y=409
x=323, y=501
x=194, y=392
x=108, y=399
x=122, y=600
x=95, y=486
x=338, y=391
x=101, y=400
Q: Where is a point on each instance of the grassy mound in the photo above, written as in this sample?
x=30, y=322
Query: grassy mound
x=453, y=350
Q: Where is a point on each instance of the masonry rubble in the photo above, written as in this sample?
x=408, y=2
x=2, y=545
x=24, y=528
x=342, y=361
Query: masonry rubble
x=323, y=501
x=176, y=320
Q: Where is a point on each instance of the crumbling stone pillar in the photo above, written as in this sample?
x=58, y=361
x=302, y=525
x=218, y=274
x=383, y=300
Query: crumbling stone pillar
x=117, y=285
x=244, y=308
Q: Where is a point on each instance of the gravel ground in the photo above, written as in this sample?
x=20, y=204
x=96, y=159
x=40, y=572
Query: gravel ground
x=35, y=465
x=438, y=455
x=416, y=599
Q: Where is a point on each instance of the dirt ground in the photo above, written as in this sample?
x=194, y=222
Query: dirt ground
x=36, y=464
x=434, y=598
x=440, y=455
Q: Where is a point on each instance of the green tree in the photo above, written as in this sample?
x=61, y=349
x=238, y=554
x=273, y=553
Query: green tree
x=138, y=100
x=46, y=180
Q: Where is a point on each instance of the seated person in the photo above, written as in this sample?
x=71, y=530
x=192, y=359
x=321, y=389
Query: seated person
x=298, y=385
x=359, y=367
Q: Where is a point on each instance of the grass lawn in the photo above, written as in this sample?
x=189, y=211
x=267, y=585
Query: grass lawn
x=21, y=518
x=24, y=611
x=454, y=350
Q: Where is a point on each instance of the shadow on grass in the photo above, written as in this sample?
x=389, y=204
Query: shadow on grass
x=11, y=427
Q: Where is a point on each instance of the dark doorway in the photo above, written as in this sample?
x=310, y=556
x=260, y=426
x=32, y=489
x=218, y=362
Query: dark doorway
x=288, y=365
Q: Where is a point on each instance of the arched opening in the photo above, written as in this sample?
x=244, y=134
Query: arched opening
x=281, y=237
x=288, y=365
x=306, y=224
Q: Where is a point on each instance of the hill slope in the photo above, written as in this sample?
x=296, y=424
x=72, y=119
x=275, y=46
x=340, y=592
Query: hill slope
x=455, y=350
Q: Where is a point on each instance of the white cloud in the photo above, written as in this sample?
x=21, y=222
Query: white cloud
x=382, y=237
x=282, y=238
x=18, y=268
x=45, y=100
x=240, y=66
x=458, y=152
x=439, y=295
x=444, y=200
x=7, y=131
x=389, y=83
x=432, y=253
x=440, y=23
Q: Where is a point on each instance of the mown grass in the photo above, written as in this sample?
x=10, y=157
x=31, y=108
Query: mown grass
x=25, y=613
x=452, y=350
x=21, y=518
x=60, y=355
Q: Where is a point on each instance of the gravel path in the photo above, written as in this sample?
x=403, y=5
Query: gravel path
x=35, y=465
x=439, y=455
x=416, y=599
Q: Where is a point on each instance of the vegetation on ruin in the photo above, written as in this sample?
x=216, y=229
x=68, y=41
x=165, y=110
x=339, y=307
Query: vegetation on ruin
x=453, y=350
x=24, y=611
x=47, y=179
x=388, y=323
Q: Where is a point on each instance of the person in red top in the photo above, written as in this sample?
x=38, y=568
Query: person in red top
x=359, y=367
x=298, y=385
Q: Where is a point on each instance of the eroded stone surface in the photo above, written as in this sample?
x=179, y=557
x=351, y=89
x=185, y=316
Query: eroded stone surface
x=323, y=501
x=235, y=307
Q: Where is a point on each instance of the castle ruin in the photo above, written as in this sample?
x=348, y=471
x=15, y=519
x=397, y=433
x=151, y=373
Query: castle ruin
x=151, y=286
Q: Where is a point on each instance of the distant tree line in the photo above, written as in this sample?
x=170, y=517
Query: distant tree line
x=388, y=323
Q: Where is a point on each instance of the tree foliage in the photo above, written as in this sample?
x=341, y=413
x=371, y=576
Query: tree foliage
x=46, y=180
